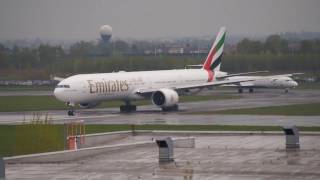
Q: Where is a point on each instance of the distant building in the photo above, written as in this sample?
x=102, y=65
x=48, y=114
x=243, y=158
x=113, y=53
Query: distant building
x=294, y=47
x=199, y=51
x=156, y=51
x=147, y=52
x=176, y=50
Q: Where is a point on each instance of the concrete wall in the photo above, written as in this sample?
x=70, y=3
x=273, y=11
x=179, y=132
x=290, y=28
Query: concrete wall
x=63, y=156
x=92, y=140
x=207, y=133
x=73, y=155
x=99, y=139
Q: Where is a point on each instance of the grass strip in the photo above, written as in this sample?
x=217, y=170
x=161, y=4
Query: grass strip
x=5, y=88
x=310, y=109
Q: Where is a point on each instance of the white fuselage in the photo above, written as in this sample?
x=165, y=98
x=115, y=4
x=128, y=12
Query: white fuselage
x=266, y=82
x=85, y=88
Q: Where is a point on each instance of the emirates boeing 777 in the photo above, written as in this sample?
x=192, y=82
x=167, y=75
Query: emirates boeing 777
x=163, y=87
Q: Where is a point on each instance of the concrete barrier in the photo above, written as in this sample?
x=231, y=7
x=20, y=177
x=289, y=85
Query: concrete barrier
x=99, y=139
x=216, y=133
x=73, y=155
x=64, y=156
x=92, y=140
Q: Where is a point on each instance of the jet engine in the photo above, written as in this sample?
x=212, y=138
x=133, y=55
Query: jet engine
x=89, y=105
x=165, y=98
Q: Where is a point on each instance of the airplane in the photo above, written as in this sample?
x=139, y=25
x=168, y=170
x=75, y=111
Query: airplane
x=163, y=87
x=283, y=81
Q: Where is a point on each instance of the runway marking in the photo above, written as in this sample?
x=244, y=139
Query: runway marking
x=85, y=117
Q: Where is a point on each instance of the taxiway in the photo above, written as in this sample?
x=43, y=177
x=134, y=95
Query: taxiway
x=152, y=115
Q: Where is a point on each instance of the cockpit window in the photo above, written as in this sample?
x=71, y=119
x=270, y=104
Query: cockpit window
x=62, y=86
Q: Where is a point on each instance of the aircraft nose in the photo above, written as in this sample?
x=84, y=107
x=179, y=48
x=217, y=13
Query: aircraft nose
x=294, y=84
x=58, y=93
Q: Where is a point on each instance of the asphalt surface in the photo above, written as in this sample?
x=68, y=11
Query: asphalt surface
x=221, y=157
x=152, y=115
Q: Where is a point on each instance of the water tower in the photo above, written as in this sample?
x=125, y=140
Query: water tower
x=105, y=33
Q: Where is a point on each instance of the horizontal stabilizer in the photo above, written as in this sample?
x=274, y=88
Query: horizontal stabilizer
x=57, y=78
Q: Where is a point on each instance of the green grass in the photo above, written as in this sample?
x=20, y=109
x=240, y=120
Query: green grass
x=29, y=103
x=309, y=85
x=36, y=103
x=311, y=109
x=26, y=88
x=7, y=140
x=36, y=138
x=30, y=138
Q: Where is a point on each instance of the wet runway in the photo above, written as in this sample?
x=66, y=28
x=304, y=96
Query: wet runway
x=214, y=157
x=152, y=115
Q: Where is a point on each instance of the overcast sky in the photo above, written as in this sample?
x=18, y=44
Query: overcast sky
x=142, y=19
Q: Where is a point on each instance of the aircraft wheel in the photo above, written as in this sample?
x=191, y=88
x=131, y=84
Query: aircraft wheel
x=172, y=108
x=240, y=91
x=128, y=108
x=250, y=90
x=70, y=113
x=133, y=108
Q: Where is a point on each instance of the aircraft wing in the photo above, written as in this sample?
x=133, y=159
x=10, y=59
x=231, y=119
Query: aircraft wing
x=284, y=75
x=241, y=74
x=202, y=85
x=243, y=84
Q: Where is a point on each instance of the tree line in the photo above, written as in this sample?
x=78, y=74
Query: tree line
x=274, y=44
x=275, y=54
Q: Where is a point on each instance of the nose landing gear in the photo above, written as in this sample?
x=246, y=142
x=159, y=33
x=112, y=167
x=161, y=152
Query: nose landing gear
x=71, y=111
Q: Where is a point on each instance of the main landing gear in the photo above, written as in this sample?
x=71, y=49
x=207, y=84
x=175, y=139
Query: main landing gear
x=240, y=90
x=127, y=108
x=170, y=109
x=71, y=111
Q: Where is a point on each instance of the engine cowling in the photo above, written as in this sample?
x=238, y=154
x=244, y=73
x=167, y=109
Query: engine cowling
x=89, y=105
x=165, y=98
